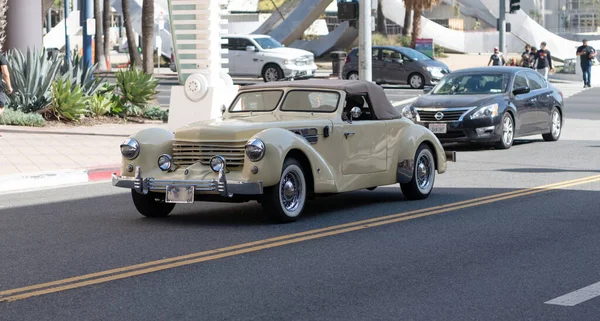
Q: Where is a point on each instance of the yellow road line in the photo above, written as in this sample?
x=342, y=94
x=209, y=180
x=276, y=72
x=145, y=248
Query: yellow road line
x=149, y=267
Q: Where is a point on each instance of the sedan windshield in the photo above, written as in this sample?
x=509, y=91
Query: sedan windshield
x=268, y=43
x=256, y=101
x=472, y=84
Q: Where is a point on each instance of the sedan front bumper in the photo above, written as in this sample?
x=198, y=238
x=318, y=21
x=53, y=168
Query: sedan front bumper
x=219, y=186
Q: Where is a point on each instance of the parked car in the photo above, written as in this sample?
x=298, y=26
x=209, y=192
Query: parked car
x=490, y=105
x=263, y=56
x=398, y=65
x=279, y=144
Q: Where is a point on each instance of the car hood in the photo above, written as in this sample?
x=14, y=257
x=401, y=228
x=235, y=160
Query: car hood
x=288, y=52
x=243, y=127
x=434, y=63
x=450, y=101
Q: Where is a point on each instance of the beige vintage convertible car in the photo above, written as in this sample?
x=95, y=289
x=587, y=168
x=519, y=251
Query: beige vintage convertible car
x=280, y=144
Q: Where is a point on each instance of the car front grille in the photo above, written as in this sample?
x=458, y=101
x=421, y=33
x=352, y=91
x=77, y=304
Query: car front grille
x=429, y=114
x=188, y=153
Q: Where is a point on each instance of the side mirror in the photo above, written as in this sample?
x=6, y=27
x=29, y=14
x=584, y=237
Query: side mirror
x=521, y=90
x=355, y=112
x=399, y=61
x=427, y=90
x=251, y=48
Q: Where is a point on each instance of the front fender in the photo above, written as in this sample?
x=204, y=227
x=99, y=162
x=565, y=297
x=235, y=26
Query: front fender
x=153, y=142
x=406, y=147
x=278, y=144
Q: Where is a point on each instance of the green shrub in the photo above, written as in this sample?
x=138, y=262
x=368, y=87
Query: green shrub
x=67, y=103
x=135, y=89
x=99, y=105
x=155, y=113
x=19, y=118
x=31, y=77
x=82, y=75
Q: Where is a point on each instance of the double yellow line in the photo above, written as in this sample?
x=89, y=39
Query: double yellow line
x=164, y=264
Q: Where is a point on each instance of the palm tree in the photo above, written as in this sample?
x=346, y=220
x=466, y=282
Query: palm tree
x=407, y=17
x=148, y=36
x=381, y=26
x=134, y=55
x=3, y=8
x=418, y=6
x=106, y=28
x=99, y=49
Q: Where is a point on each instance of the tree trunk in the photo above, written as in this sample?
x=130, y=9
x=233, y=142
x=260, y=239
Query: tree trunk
x=134, y=55
x=416, y=30
x=381, y=25
x=106, y=28
x=407, y=22
x=99, y=49
x=148, y=36
x=3, y=8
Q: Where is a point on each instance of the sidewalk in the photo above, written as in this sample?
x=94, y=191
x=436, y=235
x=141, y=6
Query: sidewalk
x=42, y=157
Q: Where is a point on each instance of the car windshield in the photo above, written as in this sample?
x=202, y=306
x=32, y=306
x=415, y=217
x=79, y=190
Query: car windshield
x=256, y=101
x=268, y=43
x=311, y=101
x=472, y=84
x=415, y=55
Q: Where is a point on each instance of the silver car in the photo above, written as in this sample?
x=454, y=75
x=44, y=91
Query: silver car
x=398, y=65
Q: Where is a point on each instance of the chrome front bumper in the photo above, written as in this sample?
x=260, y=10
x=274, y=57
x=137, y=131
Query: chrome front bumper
x=221, y=185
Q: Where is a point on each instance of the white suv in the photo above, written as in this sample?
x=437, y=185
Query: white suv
x=262, y=56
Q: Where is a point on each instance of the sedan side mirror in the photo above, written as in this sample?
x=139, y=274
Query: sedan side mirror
x=427, y=90
x=521, y=90
x=355, y=112
x=251, y=48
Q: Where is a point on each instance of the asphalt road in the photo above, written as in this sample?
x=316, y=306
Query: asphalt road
x=486, y=245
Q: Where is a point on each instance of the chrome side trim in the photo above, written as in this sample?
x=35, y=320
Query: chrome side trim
x=405, y=171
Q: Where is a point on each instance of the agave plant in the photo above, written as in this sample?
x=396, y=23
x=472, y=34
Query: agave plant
x=67, y=102
x=81, y=74
x=136, y=89
x=99, y=105
x=31, y=77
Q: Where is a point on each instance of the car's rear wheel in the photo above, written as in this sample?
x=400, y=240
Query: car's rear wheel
x=285, y=201
x=416, y=81
x=151, y=204
x=353, y=75
x=508, y=132
x=421, y=184
x=556, y=127
x=272, y=72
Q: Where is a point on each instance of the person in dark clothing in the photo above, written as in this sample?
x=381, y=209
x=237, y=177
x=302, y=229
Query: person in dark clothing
x=532, y=57
x=586, y=54
x=525, y=57
x=6, y=87
x=497, y=58
x=543, y=60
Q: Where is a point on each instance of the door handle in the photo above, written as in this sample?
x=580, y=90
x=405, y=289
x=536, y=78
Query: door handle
x=255, y=59
x=347, y=134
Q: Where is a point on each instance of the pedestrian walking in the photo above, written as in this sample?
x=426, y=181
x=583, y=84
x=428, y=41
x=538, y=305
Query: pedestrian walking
x=543, y=60
x=5, y=87
x=587, y=55
x=497, y=58
x=532, y=57
x=525, y=57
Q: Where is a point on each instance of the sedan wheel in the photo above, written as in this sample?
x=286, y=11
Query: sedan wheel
x=416, y=81
x=353, y=75
x=284, y=202
x=508, y=132
x=421, y=184
x=272, y=73
x=556, y=127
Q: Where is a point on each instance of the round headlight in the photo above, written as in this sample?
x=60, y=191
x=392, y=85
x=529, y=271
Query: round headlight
x=165, y=162
x=130, y=148
x=409, y=112
x=217, y=163
x=255, y=149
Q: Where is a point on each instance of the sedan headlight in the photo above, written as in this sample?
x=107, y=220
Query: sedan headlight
x=486, y=111
x=255, y=149
x=434, y=70
x=410, y=112
x=130, y=148
x=165, y=162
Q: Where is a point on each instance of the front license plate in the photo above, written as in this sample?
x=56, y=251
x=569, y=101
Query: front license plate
x=302, y=73
x=438, y=128
x=180, y=194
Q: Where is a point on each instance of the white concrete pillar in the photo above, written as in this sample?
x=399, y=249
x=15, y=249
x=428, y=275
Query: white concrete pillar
x=24, y=25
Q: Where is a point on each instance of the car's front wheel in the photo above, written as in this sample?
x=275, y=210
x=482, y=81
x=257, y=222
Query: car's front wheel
x=272, y=72
x=416, y=81
x=421, y=184
x=151, y=204
x=353, y=75
x=285, y=201
x=508, y=132
x=556, y=127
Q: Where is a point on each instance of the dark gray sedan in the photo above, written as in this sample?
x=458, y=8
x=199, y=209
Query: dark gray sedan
x=398, y=65
x=490, y=105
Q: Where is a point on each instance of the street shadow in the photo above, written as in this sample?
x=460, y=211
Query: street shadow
x=546, y=170
x=479, y=147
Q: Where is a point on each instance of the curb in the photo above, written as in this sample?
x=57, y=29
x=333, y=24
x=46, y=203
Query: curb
x=57, y=178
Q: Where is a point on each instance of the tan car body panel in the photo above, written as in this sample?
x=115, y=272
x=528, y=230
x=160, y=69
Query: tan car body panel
x=328, y=158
